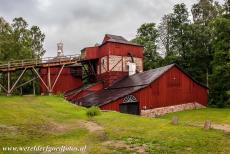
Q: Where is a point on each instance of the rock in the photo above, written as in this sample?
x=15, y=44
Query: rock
x=175, y=120
x=207, y=124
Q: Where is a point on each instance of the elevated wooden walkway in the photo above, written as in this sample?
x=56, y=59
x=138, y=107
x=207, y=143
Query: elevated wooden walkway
x=34, y=64
x=38, y=63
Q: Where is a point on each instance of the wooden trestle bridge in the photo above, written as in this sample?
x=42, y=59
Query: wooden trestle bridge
x=33, y=65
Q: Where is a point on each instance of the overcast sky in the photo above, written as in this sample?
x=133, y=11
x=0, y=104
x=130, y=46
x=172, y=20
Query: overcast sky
x=82, y=23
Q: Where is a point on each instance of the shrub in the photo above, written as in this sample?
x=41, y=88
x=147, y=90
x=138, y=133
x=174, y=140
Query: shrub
x=93, y=111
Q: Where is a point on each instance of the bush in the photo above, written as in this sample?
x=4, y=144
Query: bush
x=93, y=111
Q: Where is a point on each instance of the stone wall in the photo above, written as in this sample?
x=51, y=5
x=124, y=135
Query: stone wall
x=164, y=110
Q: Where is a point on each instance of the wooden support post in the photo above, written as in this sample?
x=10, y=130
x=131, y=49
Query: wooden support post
x=8, y=83
x=59, y=73
x=49, y=81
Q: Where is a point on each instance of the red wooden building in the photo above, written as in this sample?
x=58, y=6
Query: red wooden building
x=116, y=70
x=151, y=93
x=108, y=62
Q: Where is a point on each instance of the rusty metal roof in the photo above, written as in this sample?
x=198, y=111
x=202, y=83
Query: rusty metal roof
x=123, y=87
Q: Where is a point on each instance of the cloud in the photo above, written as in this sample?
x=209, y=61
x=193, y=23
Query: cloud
x=81, y=23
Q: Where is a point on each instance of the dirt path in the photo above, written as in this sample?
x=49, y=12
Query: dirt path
x=224, y=127
x=91, y=126
x=99, y=130
x=123, y=144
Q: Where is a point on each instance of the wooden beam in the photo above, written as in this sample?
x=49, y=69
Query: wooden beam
x=26, y=82
x=3, y=88
x=49, y=80
x=8, y=83
x=116, y=64
x=40, y=78
x=59, y=73
x=16, y=82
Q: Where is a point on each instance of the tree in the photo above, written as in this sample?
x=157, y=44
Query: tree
x=198, y=55
x=165, y=34
x=227, y=9
x=179, y=24
x=205, y=10
x=220, y=83
x=147, y=36
x=173, y=35
x=18, y=41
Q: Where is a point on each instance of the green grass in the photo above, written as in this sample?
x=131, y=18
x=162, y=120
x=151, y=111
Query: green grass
x=218, y=116
x=46, y=120
x=162, y=137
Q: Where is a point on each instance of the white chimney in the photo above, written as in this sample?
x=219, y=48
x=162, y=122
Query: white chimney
x=60, y=49
x=132, y=68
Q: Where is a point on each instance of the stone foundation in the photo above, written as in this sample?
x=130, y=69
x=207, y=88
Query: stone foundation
x=156, y=112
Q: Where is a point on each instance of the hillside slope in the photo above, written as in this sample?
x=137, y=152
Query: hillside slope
x=52, y=121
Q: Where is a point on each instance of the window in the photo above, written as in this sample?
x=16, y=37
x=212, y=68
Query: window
x=129, y=99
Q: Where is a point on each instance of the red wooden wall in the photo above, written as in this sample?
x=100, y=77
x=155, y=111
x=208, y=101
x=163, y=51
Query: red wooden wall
x=120, y=49
x=112, y=48
x=65, y=82
x=85, y=91
x=90, y=53
x=109, y=77
x=172, y=88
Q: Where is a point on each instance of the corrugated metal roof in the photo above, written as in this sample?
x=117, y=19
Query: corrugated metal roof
x=123, y=87
x=143, y=78
x=105, y=96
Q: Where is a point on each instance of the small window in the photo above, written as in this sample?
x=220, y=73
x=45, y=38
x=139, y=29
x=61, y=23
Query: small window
x=129, y=99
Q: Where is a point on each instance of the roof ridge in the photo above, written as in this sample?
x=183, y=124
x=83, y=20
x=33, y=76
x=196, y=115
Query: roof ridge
x=167, y=67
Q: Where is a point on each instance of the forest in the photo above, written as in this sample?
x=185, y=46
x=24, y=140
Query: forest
x=198, y=40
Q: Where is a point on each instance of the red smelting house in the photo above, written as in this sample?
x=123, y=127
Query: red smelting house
x=118, y=82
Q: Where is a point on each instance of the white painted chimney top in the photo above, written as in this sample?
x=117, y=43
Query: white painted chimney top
x=132, y=68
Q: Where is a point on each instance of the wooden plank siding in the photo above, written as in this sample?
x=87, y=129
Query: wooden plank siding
x=167, y=91
x=65, y=82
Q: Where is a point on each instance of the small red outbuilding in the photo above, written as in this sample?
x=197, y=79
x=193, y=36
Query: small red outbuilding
x=151, y=93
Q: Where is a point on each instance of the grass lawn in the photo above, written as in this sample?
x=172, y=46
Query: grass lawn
x=46, y=120
x=218, y=116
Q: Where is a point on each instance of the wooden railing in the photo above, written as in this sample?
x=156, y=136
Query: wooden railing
x=47, y=61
